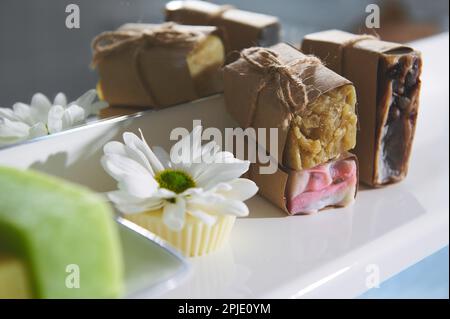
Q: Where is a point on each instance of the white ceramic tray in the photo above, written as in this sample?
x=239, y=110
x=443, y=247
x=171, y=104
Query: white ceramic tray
x=331, y=254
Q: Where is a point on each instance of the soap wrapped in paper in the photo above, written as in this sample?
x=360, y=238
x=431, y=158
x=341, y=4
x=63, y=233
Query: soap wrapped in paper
x=387, y=80
x=331, y=184
x=313, y=111
x=243, y=29
x=155, y=66
x=312, y=107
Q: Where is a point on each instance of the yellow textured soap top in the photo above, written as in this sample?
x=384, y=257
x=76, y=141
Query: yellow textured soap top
x=209, y=53
x=326, y=129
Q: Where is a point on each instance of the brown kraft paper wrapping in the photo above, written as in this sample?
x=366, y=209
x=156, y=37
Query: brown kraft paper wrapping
x=368, y=63
x=274, y=186
x=270, y=95
x=144, y=65
x=242, y=29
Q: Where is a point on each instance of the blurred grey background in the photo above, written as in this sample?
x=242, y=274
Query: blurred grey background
x=39, y=54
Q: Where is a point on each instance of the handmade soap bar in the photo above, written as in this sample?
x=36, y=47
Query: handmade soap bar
x=332, y=184
x=387, y=80
x=154, y=66
x=63, y=234
x=312, y=107
x=243, y=29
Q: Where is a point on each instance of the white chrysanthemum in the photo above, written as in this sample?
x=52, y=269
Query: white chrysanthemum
x=41, y=117
x=148, y=179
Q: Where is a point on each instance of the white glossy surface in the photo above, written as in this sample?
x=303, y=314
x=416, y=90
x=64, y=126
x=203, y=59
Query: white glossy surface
x=271, y=254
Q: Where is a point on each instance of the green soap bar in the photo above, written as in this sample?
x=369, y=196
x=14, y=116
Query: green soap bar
x=65, y=234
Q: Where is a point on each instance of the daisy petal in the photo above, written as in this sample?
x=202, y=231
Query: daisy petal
x=162, y=156
x=241, y=189
x=40, y=107
x=208, y=153
x=23, y=113
x=188, y=148
x=73, y=115
x=140, y=207
x=224, y=157
x=54, y=121
x=8, y=114
x=115, y=147
x=174, y=214
x=133, y=152
x=128, y=204
x=217, y=204
x=137, y=144
x=37, y=130
x=210, y=148
x=221, y=187
x=222, y=172
x=12, y=132
x=192, y=191
x=119, y=166
x=164, y=193
x=130, y=175
x=85, y=101
x=60, y=99
x=195, y=169
x=141, y=187
x=121, y=197
x=208, y=219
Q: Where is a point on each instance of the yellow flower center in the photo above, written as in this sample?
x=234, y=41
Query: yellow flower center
x=175, y=180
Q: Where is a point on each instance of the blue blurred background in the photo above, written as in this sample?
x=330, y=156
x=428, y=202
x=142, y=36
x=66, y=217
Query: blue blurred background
x=426, y=279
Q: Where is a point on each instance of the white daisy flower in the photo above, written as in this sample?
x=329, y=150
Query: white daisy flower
x=42, y=117
x=149, y=179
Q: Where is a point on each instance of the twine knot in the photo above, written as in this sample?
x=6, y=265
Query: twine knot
x=268, y=62
x=164, y=35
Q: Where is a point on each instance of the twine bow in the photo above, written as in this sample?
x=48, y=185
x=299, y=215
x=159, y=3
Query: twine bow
x=165, y=35
x=268, y=62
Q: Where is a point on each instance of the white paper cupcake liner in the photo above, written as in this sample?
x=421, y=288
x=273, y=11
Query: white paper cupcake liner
x=195, y=239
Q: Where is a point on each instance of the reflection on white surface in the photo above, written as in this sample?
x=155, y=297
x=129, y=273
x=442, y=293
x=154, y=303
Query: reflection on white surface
x=271, y=244
x=389, y=208
x=215, y=276
x=319, y=283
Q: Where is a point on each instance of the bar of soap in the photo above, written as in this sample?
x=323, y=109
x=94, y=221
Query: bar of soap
x=399, y=79
x=313, y=111
x=243, y=29
x=324, y=131
x=386, y=76
x=311, y=130
x=59, y=231
x=328, y=185
x=331, y=184
x=204, y=61
x=155, y=66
